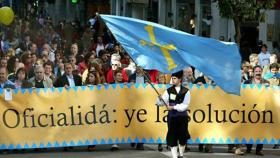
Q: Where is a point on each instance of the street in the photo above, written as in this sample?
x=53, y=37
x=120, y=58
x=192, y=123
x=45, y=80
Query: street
x=103, y=151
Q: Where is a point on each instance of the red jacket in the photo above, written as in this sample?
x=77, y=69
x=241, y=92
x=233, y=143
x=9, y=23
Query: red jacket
x=110, y=76
x=82, y=67
x=153, y=74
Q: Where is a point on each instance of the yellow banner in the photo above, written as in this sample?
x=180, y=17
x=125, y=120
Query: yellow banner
x=37, y=118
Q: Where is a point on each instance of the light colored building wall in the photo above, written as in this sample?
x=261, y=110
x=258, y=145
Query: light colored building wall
x=221, y=26
x=218, y=26
x=272, y=20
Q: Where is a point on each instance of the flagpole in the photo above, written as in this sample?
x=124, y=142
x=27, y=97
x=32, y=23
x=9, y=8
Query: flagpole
x=145, y=73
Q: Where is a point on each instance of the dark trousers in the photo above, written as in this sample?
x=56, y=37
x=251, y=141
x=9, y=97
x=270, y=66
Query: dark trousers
x=258, y=148
x=177, y=131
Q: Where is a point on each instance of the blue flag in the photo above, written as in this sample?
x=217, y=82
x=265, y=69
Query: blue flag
x=153, y=46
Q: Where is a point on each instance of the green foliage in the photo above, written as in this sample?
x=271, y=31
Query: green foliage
x=244, y=9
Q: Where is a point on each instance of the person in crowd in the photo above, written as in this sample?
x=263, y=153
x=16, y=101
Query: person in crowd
x=59, y=68
x=68, y=79
x=257, y=79
x=105, y=57
x=272, y=59
x=48, y=66
x=264, y=56
x=118, y=78
x=125, y=60
x=177, y=100
x=245, y=71
x=254, y=59
x=161, y=79
x=273, y=77
x=49, y=52
x=140, y=76
x=33, y=48
x=12, y=66
x=98, y=46
x=94, y=68
x=200, y=81
x=40, y=80
x=115, y=65
x=188, y=76
x=89, y=58
x=4, y=82
x=4, y=62
x=74, y=50
x=21, y=79
x=92, y=78
x=33, y=59
x=73, y=60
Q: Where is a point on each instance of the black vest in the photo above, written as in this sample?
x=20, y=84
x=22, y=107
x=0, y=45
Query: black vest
x=178, y=100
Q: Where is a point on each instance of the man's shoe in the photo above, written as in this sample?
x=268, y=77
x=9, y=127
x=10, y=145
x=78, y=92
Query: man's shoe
x=260, y=153
x=276, y=146
x=200, y=147
x=139, y=146
x=114, y=147
x=160, y=148
x=238, y=152
x=208, y=148
x=132, y=145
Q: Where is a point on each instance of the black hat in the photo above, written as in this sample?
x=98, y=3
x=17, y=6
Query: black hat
x=178, y=74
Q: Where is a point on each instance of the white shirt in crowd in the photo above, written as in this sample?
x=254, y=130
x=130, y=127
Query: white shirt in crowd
x=179, y=107
x=99, y=48
x=264, y=59
x=92, y=21
x=71, y=80
x=139, y=79
x=52, y=56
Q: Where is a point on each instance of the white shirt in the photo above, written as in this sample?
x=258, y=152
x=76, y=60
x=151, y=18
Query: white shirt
x=139, y=79
x=264, y=59
x=98, y=48
x=179, y=107
x=51, y=56
x=71, y=81
x=92, y=21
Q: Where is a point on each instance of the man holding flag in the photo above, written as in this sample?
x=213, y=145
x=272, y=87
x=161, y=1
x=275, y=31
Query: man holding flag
x=177, y=100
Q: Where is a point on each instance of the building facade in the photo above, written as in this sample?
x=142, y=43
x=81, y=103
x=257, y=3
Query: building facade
x=200, y=17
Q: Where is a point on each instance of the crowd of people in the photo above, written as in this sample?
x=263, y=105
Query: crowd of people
x=37, y=53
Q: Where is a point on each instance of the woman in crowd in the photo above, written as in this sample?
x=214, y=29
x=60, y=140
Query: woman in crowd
x=12, y=66
x=21, y=79
x=93, y=78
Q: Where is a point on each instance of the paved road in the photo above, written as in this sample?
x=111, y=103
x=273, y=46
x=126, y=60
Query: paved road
x=126, y=151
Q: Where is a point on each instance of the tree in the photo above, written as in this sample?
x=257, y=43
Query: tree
x=242, y=10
